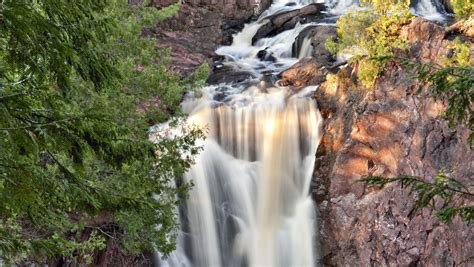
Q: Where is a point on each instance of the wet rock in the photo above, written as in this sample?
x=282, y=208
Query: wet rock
x=199, y=27
x=266, y=55
x=287, y=20
x=307, y=71
x=227, y=75
x=222, y=93
x=318, y=36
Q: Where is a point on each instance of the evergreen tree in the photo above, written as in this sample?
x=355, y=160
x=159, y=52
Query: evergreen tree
x=76, y=84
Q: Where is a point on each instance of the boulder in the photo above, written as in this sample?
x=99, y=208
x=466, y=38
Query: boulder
x=266, y=55
x=287, y=20
x=307, y=71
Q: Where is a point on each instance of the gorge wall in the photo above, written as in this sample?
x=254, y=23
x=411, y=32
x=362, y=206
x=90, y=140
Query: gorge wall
x=391, y=130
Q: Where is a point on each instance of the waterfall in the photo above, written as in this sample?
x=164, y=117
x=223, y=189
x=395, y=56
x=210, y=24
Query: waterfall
x=306, y=49
x=339, y=7
x=429, y=9
x=250, y=204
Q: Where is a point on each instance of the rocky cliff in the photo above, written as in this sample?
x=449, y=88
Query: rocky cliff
x=391, y=130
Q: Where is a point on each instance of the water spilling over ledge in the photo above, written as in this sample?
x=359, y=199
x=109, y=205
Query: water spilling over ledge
x=250, y=204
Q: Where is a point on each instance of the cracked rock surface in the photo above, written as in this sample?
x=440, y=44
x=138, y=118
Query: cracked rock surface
x=388, y=131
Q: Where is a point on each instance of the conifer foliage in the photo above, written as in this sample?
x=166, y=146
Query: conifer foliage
x=76, y=81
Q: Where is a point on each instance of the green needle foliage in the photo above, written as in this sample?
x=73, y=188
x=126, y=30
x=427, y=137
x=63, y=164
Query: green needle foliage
x=451, y=193
x=79, y=89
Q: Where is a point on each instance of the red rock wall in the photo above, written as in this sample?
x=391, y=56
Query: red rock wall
x=388, y=131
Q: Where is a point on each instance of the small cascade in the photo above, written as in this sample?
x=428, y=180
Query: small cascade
x=306, y=49
x=339, y=7
x=429, y=9
x=242, y=54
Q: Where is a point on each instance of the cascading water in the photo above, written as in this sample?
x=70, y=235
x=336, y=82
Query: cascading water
x=306, y=49
x=250, y=204
x=429, y=9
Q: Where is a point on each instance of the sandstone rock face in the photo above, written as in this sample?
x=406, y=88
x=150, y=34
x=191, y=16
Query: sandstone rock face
x=388, y=131
x=427, y=40
x=199, y=27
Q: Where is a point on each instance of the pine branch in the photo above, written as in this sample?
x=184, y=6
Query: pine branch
x=35, y=125
x=4, y=97
x=443, y=187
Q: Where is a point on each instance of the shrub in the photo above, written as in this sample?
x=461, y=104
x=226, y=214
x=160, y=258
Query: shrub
x=462, y=8
x=370, y=35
